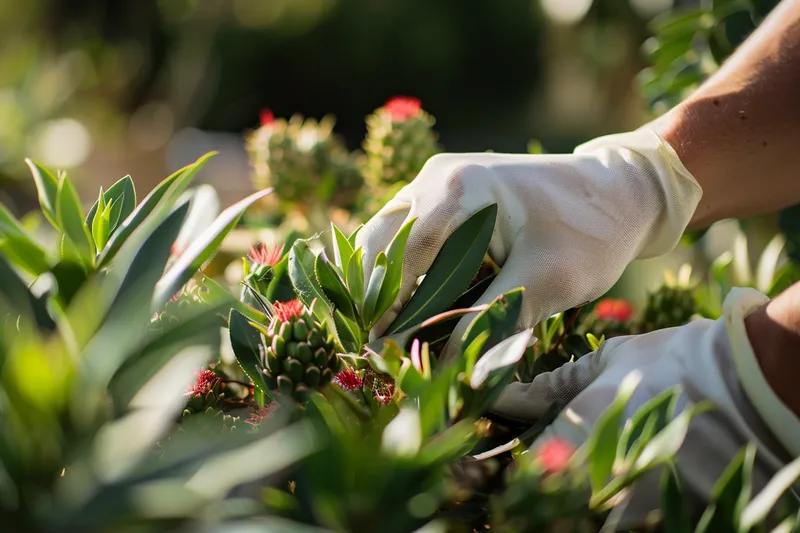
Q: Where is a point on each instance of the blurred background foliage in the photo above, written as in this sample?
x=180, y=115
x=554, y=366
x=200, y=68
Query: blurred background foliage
x=105, y=88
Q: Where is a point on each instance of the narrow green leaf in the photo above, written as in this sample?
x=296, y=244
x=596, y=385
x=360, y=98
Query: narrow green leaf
x=368, y=314
x=247, y=345
x=601, y=446
x=499, y=319
x=649, y=419
x=202, y=248
x=506, y=353
x=343, y=250
x=394, y=269
x=666, y=443
x=730, y=494
x=354, y=276
x=472, y=351
x=124, y=194
x=451, y=272
x=352, y=238
x=47, y=189
x=100, y=224
x=676, y=518
x=218, y=294
x=19, y=246
x=176, y=183
x=349, y=334
x=301, y=272
x=333, y=287
x=758, y=509
x=203, y=210
x=70, y=218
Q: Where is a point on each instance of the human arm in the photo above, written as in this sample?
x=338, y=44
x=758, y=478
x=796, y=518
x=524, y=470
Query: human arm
x=739, y=133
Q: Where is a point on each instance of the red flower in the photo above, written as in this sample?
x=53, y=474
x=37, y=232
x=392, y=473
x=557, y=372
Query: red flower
x=261, y=254
x=611, y=309
x=401, y=108
x=285, y=311
x=348, y=380
x=261, y=415
x=266, y=116
x=554, y=454
x=204, y=382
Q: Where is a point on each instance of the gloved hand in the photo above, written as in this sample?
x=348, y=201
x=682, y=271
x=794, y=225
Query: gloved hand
x=709, y=360
x=567, y=225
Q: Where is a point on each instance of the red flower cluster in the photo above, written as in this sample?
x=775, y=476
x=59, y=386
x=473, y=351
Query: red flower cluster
x=611, y=309
x=401, y=108
x=348, y=380
x=261, y=254
x=554, y=454
x=266, y=116
x=204, y=382
x=284, y=311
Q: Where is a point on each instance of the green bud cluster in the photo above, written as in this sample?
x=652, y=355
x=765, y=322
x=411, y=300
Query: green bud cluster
x=668, y=307
x=298, y=356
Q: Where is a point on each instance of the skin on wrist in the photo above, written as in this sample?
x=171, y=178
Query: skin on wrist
x=739, y=133
x=774, y=333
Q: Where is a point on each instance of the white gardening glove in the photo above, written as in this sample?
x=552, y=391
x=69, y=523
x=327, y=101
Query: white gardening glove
x=709, y=360
x=567, y=225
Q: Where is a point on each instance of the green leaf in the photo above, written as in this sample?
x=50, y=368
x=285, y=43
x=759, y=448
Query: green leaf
x=506, y=353
x=203, y=210
x=676, y=518
x=70, y=218
x=47, y=189
x=124, y=194
x=354, y=277
x=16, y=294
x=100, y=223
x=280, y=287
x=349, y=334
x=758, y=509
x=472, y=351
x=333, y=287
x=601, y=446
x=395, y=252
x=19, y=247
x=246, y=344
x=202, y=248
x=301, y=272
x=666, y=443
x=451, y=272
x=648, y=420
x=593, y=342
x=352, y=238
x=730, y=494
x=499, y=319
x=175, y=184
x=368, y=314
x=217, y=294
x=343, y=250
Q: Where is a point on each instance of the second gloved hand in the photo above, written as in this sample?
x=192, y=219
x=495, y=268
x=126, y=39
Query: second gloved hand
x=567, y=225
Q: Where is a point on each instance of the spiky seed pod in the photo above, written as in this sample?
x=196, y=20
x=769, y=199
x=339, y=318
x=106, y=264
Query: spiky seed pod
x=299, y=354
x=178, y=307
x=207, y=392
x=668, y=307
x=304, y=161
x=400, y=139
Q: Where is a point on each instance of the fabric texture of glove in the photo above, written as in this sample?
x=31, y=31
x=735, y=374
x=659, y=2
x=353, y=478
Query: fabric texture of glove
x=567, y=225
x=709, y=360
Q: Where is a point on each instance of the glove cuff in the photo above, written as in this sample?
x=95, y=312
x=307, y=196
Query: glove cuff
x=679, y=191
x=781, y=421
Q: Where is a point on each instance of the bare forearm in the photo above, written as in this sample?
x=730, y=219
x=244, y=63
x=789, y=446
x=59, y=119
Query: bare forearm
x=739, y=134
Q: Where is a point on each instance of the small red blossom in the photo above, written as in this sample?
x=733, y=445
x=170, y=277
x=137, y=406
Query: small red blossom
x=612, y=309
x=261, y=254
x=266, y=116
x=348, y=380
x=285, y=311
x=204, y=382
x=554, y=454
x=401, y=108
x=261, y=415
